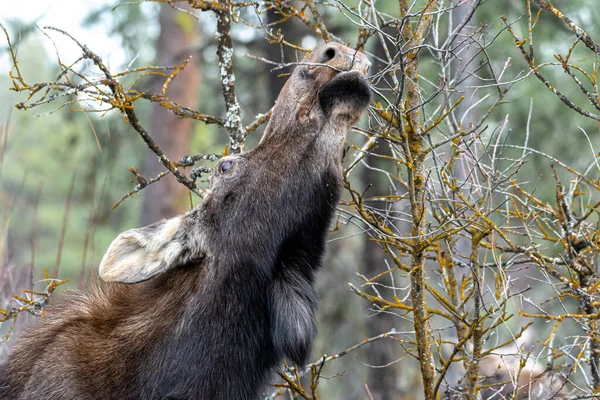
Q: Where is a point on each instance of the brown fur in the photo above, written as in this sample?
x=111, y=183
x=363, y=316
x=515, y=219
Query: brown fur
x=107, y=328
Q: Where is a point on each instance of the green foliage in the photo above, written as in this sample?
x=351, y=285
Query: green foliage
x=134, y=25
x=44, y=153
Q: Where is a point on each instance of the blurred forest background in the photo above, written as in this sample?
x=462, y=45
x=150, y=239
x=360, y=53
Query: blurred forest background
x=63, y=169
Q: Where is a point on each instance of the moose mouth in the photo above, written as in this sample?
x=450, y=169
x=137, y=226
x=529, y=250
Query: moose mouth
x=349, y=89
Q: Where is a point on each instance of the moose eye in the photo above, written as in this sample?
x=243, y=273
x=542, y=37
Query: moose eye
x=226, y=166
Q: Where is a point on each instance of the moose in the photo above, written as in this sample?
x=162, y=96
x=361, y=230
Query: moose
x=206, y=305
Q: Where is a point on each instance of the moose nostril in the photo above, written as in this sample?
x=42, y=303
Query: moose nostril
x=327, y=55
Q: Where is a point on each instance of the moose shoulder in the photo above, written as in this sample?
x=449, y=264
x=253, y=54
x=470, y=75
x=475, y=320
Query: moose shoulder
x=206, y=305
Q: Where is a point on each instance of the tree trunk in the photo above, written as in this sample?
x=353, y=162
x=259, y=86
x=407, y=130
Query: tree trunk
x=414, y=151
x=382, y=382
x=168, y=197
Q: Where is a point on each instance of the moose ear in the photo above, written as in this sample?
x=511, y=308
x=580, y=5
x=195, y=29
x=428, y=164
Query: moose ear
x=137, y=255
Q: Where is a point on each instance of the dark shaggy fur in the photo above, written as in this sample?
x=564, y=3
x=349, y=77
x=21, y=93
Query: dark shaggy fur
x=206, y=305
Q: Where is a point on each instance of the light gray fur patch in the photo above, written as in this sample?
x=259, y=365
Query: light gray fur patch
x=293, y=308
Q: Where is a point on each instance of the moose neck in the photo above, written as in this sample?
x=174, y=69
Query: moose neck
x=230, y=312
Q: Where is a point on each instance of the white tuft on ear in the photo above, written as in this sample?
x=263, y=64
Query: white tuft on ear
x=139, y=254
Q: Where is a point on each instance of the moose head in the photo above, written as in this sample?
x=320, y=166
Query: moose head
x=206, y=305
